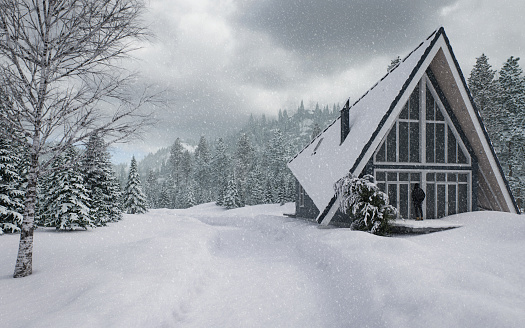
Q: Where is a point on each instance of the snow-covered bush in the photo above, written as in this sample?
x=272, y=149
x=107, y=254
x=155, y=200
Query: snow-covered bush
x=365, y=204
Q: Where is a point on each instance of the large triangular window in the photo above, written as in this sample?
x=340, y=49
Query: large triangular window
x=422, y=133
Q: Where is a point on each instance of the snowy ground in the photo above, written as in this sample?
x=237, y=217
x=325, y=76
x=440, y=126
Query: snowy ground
x=253, y=267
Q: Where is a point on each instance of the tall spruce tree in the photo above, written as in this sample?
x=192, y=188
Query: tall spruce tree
x=220, y=171
x=135, y=201
x=152, y=189
x=511, y=103
x=101, y=182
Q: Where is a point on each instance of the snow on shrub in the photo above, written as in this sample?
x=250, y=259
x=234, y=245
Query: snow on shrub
x=365, y=204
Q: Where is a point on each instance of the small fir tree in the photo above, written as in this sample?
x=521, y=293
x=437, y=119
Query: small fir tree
x=135, y=201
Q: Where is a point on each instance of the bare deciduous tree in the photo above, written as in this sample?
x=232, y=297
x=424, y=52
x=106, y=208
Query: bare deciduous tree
x=61, y=65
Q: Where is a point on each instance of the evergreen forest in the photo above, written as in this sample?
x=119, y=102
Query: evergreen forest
x=82, y=189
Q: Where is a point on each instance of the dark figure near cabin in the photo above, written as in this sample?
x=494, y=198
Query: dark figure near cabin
x=418, y=196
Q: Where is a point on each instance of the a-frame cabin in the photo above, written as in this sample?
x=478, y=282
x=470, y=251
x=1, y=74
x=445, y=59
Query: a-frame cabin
x=418, y=124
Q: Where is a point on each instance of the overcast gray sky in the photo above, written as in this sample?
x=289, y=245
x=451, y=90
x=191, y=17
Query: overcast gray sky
x=220, y=60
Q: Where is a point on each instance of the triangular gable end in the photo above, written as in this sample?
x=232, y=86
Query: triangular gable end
x=437, y=56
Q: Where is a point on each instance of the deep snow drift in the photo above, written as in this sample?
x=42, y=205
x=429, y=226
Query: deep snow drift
x=254, y=267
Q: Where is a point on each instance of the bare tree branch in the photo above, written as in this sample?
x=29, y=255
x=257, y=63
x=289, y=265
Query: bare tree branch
x=60, y=64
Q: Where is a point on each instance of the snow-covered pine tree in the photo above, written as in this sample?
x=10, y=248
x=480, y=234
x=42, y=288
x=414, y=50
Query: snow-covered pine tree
x=220, y=170
x=189, y=196
x=256, y=187
x=11, y=195
x=152, y=189
x=231, y=196
x=164, y=200
x=511, y=107
x=101, y=182
x=135, y=201
x=365, y=204
x=202, y=172
x=175, y=161
x=67, y=206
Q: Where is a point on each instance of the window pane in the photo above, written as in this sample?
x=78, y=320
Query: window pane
x=391, y=145
x=403, y=142
x=440, y=176
x=462, y=159
x=439, y=115
x=404, y=112
x=403, y=176
x=381, y=187
x=451, y=199
x=462, y=198
x=451, y=177
x=380, y=176
x=392, y=176
x=381, y=153
x=430, y=176
x=414, y=142
x=392, y=194
x=451, y=147
x=440, y=143
x=430, y=143
x=414, y=104
x=403, y=200
x=463, y=177
x=415, y=177
x=430, y=106
x=431, y=201
x=440, y=200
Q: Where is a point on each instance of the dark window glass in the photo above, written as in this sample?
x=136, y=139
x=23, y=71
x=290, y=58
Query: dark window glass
x=462, y=198
x=381, y=153
x=381, y=187
x=440, y=176
x=392, y=195
x=439, y=115
x=451, y=177
x=441, y=201
x=440, y=143
x=414, y=104
x=462, y=159
x=431, y=201
x=414, y=142
x=380, y=176
x=430, y=143
x=404, y=112
x=451, y=151
x=462, y=177
x=452, y=199
x=391, y=145
x=391, y=176
x=403, y=142
x=415, y=177
x=430, y=176
x=403, y=200
x=403, y=176
x=430, y=106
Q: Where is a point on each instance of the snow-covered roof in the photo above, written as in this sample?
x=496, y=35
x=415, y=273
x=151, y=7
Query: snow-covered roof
x=325, y=160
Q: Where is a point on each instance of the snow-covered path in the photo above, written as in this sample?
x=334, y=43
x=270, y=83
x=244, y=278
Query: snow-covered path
x=254, y=267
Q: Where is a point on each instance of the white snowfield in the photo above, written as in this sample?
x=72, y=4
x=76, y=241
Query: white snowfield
x=254, y=267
